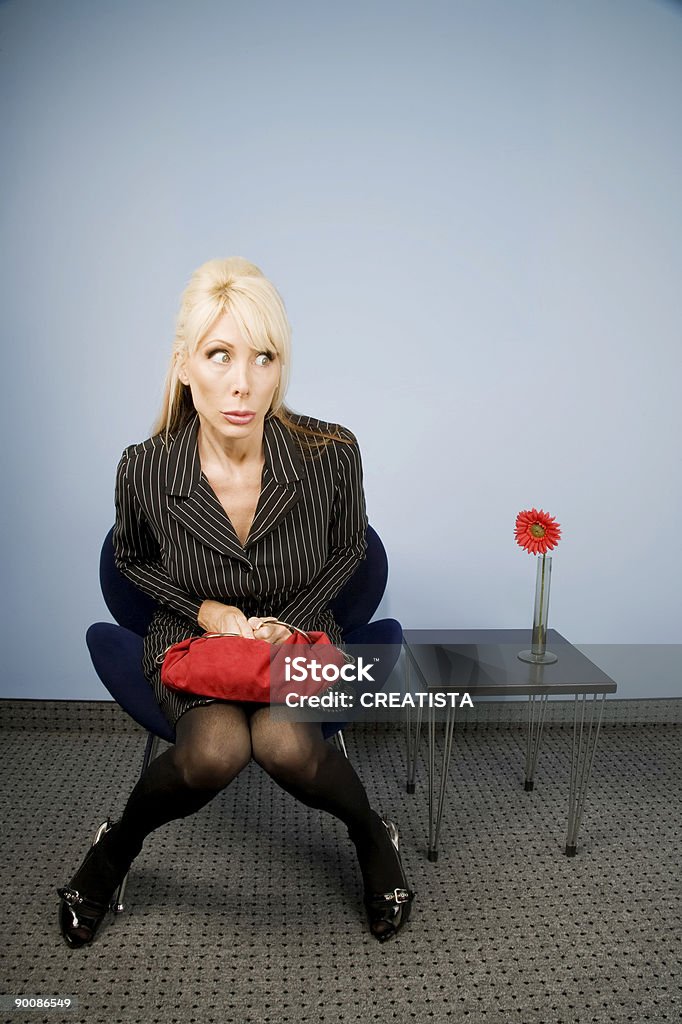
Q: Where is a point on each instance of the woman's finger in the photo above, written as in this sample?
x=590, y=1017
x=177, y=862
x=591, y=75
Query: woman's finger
x=246, y=629
x=237, y=623
x=272, y=631
x=266, y=632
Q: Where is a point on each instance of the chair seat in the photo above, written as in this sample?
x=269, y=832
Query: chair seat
x=116, y=653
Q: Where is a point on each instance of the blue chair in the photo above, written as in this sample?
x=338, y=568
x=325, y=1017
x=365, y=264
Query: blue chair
x=116, y=650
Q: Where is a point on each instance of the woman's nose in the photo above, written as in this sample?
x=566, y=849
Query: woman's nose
x=241, y=378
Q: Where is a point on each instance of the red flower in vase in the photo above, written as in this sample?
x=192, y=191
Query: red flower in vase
x=537, y=532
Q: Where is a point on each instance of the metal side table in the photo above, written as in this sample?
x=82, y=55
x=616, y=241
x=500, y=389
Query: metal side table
x=484, y=663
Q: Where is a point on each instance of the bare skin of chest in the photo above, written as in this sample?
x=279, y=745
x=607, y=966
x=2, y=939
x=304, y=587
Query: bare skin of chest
x=239, y=497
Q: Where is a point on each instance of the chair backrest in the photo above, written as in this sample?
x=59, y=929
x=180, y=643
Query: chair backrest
x=357, y=602
x=128, y=605
x=354, y=606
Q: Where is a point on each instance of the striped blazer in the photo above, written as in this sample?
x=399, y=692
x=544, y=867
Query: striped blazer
x=173, y=539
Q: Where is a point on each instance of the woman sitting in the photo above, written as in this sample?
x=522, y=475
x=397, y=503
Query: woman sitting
x=234, y=511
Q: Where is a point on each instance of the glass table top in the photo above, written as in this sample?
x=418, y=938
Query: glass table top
x=485, y=662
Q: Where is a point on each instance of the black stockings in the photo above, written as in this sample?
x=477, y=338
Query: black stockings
x=297, y=757
x=213, y=743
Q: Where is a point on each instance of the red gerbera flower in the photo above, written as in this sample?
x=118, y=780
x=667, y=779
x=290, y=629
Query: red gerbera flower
x=537, y=532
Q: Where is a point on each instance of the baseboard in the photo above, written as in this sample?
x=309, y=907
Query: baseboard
x=106, y=716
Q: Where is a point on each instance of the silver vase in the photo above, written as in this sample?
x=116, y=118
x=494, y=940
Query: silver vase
x=538, y=653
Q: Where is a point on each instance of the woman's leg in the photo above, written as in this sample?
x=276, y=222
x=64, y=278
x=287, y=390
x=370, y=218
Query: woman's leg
x=212, y=746
x=297, y=757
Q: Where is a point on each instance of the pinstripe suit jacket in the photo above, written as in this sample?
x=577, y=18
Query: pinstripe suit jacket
x=173, y=539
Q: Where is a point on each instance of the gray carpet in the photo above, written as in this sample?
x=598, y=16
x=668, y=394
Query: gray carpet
x=251, y=910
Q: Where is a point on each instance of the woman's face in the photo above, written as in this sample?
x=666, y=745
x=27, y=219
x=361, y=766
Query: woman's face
x=232, y=385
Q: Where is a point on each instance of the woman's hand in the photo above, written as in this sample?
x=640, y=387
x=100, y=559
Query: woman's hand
x=215, y=617
x=273, y=632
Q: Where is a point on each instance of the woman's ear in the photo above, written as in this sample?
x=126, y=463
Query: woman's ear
x=181, y=367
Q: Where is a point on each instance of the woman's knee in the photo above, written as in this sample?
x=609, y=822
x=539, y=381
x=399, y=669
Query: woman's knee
x=212, y=746
x=288, y=757
x=211, y=767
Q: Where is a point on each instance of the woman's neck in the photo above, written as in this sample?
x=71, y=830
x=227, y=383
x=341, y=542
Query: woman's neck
x=238, y=454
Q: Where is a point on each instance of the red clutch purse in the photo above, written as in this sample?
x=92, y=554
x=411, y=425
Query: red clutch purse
x=233, y=667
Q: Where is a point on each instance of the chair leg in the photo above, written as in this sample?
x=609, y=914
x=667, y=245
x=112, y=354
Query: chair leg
x=100, y=831
x=150, y=749
x=149, y=754
x=340, y=742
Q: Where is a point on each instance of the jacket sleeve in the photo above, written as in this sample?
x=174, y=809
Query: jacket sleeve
x=137, y=554
x=347, y=543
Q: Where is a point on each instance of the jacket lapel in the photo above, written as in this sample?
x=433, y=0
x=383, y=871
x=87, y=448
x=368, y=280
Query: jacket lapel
x=192, y=501
x=281, y=488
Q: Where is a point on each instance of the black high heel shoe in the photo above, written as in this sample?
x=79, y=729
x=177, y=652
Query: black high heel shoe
x=80, y=916
x=389, y=909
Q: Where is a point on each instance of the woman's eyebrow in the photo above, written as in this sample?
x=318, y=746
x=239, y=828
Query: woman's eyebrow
x=218, y=341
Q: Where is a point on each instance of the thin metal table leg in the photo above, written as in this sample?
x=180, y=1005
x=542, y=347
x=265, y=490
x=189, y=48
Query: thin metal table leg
x=412, y=742
x=584, y=745
x=415, y=749
x=535, y=726
x=436, y=814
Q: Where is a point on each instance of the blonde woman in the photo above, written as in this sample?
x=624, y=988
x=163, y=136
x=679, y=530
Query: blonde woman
x=236, y=510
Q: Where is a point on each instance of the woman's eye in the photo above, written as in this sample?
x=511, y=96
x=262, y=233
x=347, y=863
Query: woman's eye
x=263, y=358
x=219, y=356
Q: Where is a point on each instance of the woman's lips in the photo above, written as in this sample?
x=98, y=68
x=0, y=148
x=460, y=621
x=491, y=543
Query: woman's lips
x=238, y=417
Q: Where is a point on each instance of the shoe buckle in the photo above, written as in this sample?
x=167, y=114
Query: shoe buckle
x=72, y=896
x=398, y=896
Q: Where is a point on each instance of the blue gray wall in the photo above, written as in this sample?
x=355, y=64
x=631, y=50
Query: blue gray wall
x=472, y=209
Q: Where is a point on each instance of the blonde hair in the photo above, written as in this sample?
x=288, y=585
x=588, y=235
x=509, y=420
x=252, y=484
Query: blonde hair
x=235, y=286
x=224, y=286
